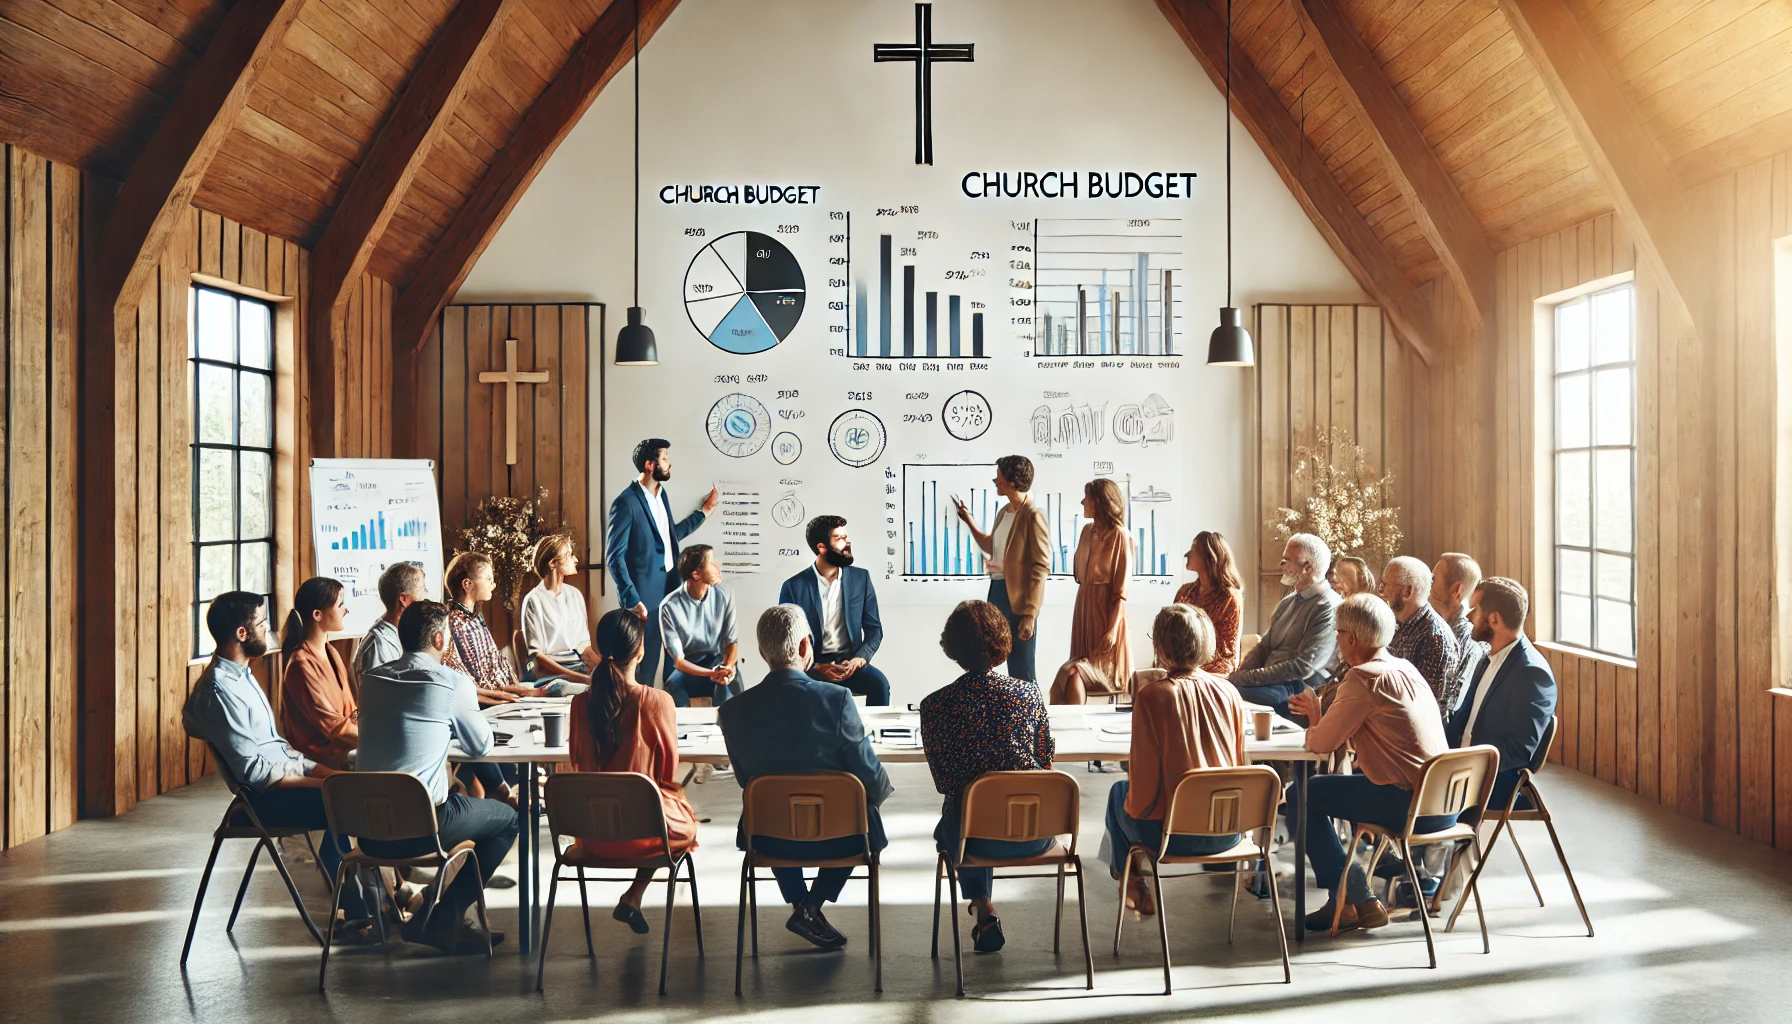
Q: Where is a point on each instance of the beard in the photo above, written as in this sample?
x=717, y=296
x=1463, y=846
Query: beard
x=661, y=474
x=255, y=646
x=1290, y=580
x=1483, y=633
x=838, y=559
x=1400, y=605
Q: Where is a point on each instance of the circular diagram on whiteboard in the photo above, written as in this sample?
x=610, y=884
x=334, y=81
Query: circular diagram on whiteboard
x=786, y=447
x=788, y=512
x=744, y=292
x=739, y=425
x=857, y=438
x=966, y=415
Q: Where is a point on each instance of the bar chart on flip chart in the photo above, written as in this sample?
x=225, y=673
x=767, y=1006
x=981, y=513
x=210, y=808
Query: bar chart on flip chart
x=1107, y=286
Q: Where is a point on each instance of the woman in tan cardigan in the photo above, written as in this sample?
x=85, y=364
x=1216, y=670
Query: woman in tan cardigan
x=1100, y=661
x=1017, y=551
x=318, y=710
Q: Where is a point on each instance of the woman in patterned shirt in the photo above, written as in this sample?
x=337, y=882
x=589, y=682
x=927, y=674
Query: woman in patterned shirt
x=472, y=650
x=981, y=722
x=1216, y=590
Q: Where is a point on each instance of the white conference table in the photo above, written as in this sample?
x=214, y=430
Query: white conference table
x=1092, y=732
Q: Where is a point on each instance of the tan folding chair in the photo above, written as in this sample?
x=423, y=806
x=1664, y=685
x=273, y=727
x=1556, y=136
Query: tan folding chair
x=1215, y=802
x=1246, y=642
x=1503, y=816
x=612, y=807
x=1450, y=783
x=241, y=822
x=804, y=808
x=519, y=652
x=391, y=807
x=1017, y=807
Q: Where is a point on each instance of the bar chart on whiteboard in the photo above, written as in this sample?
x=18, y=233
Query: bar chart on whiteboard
x=935, y=542
x=1107, y=286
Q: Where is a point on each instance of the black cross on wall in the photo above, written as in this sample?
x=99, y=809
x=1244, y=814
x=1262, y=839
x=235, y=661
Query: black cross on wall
x=925, y=53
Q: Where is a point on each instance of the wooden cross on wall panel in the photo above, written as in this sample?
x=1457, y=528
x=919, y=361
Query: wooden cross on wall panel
x=510, y=378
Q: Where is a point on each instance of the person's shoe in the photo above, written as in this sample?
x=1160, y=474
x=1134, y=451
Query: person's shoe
x=1321, y=920
x=986, y=937
x=1390, y=866
x=358, y=932
x=723, y=770
x=1403, y=897
x=1370, y=913
x=501, y=882
x=630, y=916
x=808, y=924
x=827, y=927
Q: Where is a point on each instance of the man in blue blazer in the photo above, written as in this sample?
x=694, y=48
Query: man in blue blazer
x=642, y=545
x=791, y=724
x=841, y=605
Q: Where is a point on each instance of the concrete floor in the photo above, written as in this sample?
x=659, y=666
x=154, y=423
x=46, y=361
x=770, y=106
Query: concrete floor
x=1693, y=924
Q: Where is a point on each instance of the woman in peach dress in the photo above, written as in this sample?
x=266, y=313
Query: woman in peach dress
x=621, y=726
x=1100, y=661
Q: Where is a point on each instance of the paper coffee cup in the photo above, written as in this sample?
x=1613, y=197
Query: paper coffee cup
x=1264, y=722
x=553, y=728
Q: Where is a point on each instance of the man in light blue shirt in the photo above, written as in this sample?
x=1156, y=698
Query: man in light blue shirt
x=228, y=710
x=701, y=634
x=411, y=709
x=400, y=584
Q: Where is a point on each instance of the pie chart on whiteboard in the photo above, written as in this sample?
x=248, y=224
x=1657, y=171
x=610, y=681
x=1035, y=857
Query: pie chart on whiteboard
x=744, y=292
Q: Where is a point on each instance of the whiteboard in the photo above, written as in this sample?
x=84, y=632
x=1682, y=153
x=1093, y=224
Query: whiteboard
x=367, y=514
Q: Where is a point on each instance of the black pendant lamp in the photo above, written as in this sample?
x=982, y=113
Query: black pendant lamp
x=634, y=343
x=1230, y=343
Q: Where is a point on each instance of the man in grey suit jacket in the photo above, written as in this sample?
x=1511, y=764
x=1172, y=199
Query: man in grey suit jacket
x=791, y=724
x=1298, y=645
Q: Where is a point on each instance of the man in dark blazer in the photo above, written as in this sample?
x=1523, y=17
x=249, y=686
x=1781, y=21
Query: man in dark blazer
x=841, y=606
x=642, y=545
x=791, y=724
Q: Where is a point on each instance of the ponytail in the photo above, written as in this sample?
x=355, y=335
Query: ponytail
x=618, y=640
x=317, y=594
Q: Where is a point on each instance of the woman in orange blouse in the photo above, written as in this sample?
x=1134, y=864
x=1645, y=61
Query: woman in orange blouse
x=1218, y=591
x=1098, y=623
x=318, y=710
x=621, y=726
x=1182, y=719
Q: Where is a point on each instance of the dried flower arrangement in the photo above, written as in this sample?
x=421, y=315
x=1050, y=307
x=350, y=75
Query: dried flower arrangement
x=1348, y=503
x=507, y=528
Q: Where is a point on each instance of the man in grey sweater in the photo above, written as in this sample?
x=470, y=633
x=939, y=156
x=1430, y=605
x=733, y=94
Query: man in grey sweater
x=1298, y=645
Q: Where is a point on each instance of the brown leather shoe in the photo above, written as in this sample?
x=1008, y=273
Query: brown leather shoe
x=1321, y=920
x=1369, y=914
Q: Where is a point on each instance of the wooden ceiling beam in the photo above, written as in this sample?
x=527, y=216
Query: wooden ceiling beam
x=162, y=182
x=1645, y=193
x=602, y=52
x=373, y=195
x=1343, y=227
x=1436, y=204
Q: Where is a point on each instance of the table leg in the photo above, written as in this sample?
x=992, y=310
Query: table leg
x=1302, y=769
x=525, y=856
x=535, y=855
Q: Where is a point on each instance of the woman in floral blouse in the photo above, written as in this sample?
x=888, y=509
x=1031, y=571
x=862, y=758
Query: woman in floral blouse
x=981, y=722
x=1216, y=590
x=472, y=650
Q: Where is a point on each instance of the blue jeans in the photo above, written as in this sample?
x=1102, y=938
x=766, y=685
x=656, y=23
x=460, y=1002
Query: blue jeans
x=1275, y=695
x=1020, y=657
x=1126, y=832
x=683, y=686
x=976, y=883
x=303, y=807
x=829, y=882
x=1352, y=798
x=491, y=824
x=867, y=682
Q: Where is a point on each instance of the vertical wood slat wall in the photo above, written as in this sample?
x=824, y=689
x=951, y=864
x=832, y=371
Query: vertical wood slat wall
x=1334, y=368
x=1692, y=724
x=460, y=422
x=39, y=281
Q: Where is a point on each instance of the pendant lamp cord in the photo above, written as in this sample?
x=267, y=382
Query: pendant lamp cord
x=638, y=153
x=1228, y=153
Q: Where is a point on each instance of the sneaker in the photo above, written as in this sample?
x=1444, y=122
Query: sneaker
x=808, y=924
x=834, y=934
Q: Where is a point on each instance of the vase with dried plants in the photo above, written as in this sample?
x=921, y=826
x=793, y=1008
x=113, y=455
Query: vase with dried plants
x=1348, y=504
x=506, y=529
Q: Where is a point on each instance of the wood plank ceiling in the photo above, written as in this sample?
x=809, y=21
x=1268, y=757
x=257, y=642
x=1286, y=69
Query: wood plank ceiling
x=88, y=81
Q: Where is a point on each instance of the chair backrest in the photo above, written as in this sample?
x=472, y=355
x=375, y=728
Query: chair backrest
x=824, y=805
x=230, y=781
x=1020, y=807
x=1223, y=802
x=605, y=806
x=1248, y=641
x=519, y=650
x=384, y=806
x=1544, y=744
x=1454, y=781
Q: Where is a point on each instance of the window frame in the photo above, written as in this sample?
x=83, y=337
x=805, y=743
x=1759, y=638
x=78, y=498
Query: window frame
x=1553, y=376
x=196, y=447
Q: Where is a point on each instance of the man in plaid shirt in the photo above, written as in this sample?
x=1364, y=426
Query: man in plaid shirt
x=1422, y=637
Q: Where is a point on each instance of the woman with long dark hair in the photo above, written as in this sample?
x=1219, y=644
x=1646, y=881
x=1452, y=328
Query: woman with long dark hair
x=1218, y=591
x=621, y=726
x=318, y=710
x=1100, y=661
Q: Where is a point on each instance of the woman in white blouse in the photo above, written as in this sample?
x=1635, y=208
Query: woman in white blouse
x=556, y=624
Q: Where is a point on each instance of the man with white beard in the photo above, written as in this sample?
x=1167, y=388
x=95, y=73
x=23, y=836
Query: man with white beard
x=1298, y=645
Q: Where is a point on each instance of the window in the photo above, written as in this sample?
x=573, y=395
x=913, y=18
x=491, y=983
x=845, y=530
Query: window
x=1595, y=471
x=230, y=348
